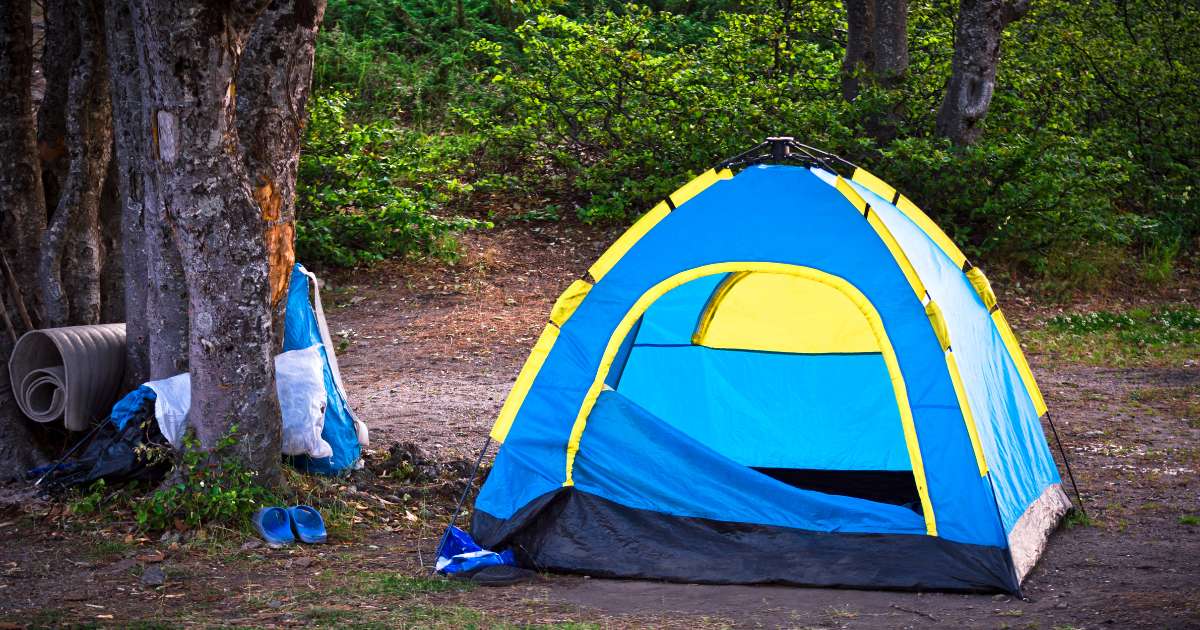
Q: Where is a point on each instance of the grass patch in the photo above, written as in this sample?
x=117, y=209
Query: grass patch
x=1167, y=336
x=1191, y=520
x=400, y=585
x=1078, y=518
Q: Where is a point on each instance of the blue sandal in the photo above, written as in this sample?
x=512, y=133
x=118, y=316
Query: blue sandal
x=307, y=524
x=273, y=525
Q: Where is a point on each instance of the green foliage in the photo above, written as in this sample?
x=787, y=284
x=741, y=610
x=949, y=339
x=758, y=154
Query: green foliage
x=1189, y=519
x=206, y=490
x=91, y=500
x=1088, y=156
x=371, y=191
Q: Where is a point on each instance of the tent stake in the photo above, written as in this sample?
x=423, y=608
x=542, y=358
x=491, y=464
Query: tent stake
x=1066, y=462
x=462, y=499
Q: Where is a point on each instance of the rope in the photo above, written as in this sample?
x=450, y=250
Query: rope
x=1066, y=462
x=462, y=499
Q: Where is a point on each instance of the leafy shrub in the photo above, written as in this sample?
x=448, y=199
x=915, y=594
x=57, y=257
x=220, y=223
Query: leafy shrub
x=617, y=105
x=1088, y=154
x=207, y=490
x=371, y=191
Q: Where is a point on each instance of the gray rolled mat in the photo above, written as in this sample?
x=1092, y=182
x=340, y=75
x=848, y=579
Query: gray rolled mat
x=73, y=373
x=44, y=394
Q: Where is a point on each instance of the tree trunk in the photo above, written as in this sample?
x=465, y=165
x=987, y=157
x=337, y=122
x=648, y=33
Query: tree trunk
x=128, y=162
x=166, y=301
x=876, y=44
x=112, y=271
x=190, y=50
x=860, y=52
x=273, y=82
x=22, y=215
x=890, y=41
x=71, y=256
x=973, y=71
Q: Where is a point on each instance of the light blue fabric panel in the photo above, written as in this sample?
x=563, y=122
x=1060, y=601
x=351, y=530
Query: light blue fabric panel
x=673, y=317
x=635, y=459
x=774, y=410
x=1009, y=429
x=770, y=214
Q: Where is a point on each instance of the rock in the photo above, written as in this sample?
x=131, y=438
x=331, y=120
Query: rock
x=251, y=544
x=154, y=576
x=303, y=562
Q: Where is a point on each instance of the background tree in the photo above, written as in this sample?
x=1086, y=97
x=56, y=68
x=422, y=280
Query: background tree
x=977, y=36
x=21, y=227
x=876, y=43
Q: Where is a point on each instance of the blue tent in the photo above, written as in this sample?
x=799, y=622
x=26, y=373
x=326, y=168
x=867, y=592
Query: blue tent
x=779, y=376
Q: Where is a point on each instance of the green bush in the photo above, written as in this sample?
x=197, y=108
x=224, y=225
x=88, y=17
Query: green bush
x=372, y=191
x=617, y=106
x=1088, y=153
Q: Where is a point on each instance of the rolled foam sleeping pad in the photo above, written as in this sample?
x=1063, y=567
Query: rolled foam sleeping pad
x=73, y=373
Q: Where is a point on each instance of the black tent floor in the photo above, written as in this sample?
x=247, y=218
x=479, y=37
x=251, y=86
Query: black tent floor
x=572, y=531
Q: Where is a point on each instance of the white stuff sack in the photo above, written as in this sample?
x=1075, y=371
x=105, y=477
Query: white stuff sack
x=299, y=383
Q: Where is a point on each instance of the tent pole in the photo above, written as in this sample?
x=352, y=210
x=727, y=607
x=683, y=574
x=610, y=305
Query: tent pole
x=463, y=499
x=1066, y=462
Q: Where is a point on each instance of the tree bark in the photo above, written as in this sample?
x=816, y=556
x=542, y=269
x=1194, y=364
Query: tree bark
x=860, y=51
x=973, y=71
x=166, y=301
x=274, y=81
x=890, y=41
x=190, y=51
x=128, y=163
x=22, y=215
x=71, y=255
x=876, y=44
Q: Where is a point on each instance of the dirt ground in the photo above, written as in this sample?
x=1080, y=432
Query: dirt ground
x=428, y=354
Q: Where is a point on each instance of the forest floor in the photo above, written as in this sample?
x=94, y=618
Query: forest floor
x=429, y=352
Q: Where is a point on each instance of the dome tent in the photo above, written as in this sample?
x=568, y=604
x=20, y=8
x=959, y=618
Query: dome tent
x=777, y=376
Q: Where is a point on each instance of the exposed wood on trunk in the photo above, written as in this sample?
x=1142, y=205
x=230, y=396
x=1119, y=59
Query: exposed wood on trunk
x=70, y=258
x=190, y=51
x=273, y=82
x=978, y=33
x=22, y=213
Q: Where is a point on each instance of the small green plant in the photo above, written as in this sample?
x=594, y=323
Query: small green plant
x=1078, y=518
x=206, y=489
x=1191, y=520
x=90, y=501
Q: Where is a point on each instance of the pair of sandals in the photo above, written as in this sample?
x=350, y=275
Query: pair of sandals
x=283, y=526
